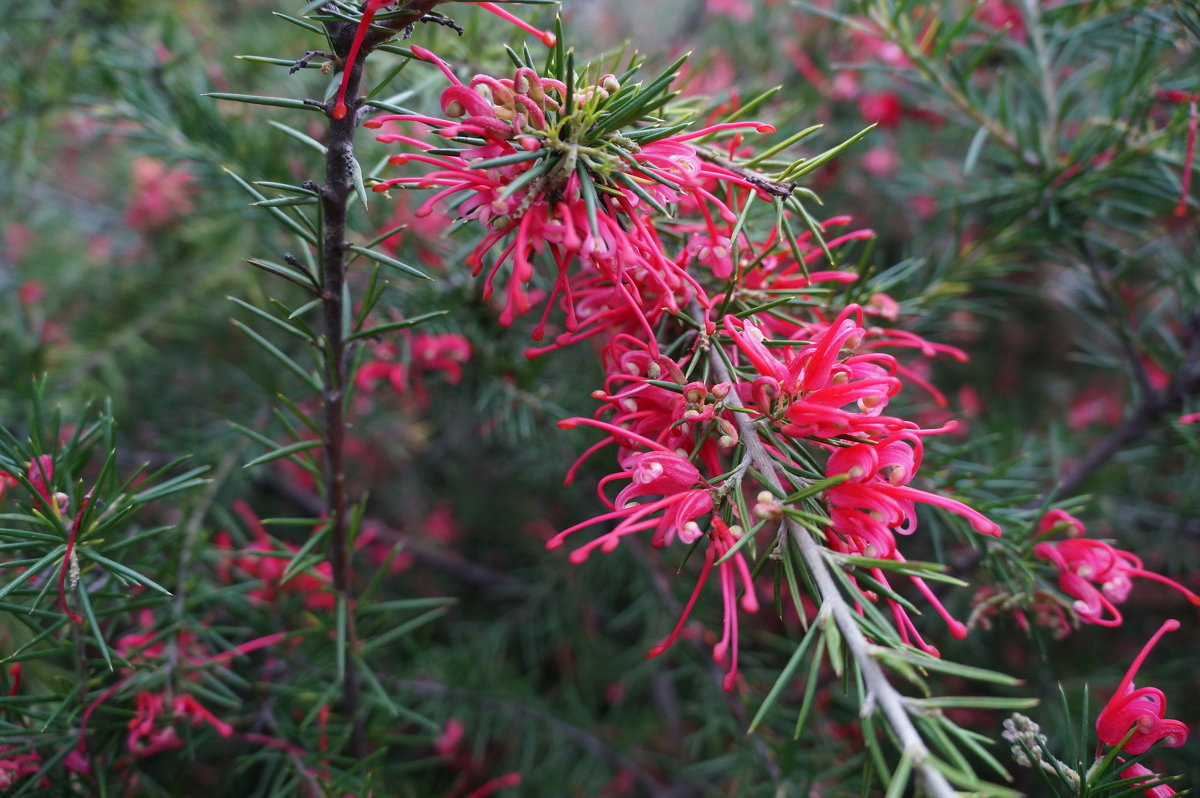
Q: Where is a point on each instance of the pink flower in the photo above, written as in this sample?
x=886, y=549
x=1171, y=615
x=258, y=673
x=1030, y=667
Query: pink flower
x=738, y=10
x=1099, y=577
x=262, y=560
x=659, y=472
x=881, y=108
x=1001, y=15
x=1060, y=519
x=161, y=196
x=14, y=766
x=1136, y=770
x=609, y=269
x=18, y=239
x=1140, y=710
x=152, y=728
x=373, y=6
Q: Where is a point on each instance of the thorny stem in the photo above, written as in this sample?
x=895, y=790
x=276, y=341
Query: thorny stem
x=335, y=199
x=879, y=689
x=335, y=195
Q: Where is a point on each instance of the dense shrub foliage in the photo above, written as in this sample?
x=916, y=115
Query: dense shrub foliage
x=430, y=398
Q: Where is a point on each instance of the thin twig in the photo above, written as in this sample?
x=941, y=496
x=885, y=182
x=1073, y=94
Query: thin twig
x=1112, y=305
x=1150, y=411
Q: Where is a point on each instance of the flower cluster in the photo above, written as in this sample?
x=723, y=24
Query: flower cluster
x=544, y=182
x=266, y=560
x=643, y=231
x=1093, y=573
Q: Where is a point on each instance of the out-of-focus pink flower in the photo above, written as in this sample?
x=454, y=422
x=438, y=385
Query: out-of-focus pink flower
x=495, y=785
x=1189, y=418
x=1060, y=519
x=152, y=728
x=161, y=195
x=31, y=292
x=738, y=10
x=882, y=108
x=1002, y=15
x=7, y=481
x=1099, y=576
x=1096, y=404
x=14, y=766
x=880, y=161
x=17, y=240
x=1140, y=710
x=260, y=560
x=883, y=306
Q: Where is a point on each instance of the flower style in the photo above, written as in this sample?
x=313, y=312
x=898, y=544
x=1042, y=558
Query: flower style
x=1139, y=714
x=1098, y=576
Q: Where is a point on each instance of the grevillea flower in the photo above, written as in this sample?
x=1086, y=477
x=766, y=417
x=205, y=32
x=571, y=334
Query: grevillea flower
x=261, y=560
x=683, y=497
x=546, y=183
x=1099, y=577
x=874, y=501
x=152, y=728
x=16, y=766
x=1141, y=711
x=1137, y=770
x=685, y=500
x=876, y=488
x=820, y=391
